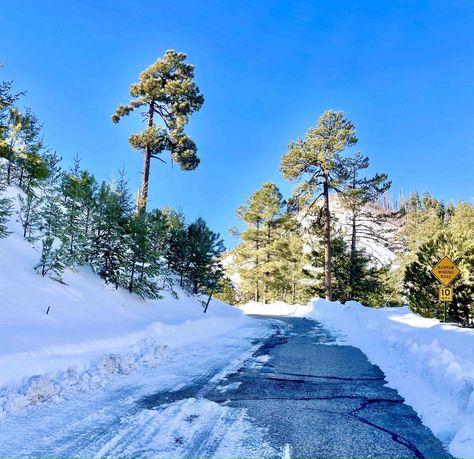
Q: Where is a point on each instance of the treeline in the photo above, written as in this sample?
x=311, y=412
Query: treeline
x=76, y=221
x=431, y=231
x=326, y=238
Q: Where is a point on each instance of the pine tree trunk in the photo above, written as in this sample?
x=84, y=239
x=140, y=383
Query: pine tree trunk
x=352, y=271
x=146, y=166
x=257, y=262
x=132, y=274
x=9, y=173
x=267, y=273
x=20, y=183
x=327, y=241
x=27, y=217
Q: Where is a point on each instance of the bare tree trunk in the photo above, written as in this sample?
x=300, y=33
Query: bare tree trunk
x=146, y=165
x=327, y=241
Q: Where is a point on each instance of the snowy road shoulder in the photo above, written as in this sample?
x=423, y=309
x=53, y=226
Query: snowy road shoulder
x=147, y=412
x=86, y=366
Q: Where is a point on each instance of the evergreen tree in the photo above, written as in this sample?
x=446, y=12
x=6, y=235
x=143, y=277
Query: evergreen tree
x=158, y=233
x=142, y=266
x=358, y=192
x=78, y=189
x=176, y=251
x=11, y=143
x=21, y=145
x=255, y=256
x=421, y=225
x=51, y=210
x=226, y=292
x=7, y=101
x=317, y=160
x=203, y=270
x=31, y=167
x=165, y=90
x=290, y=281
x=51, y=259
x=5, y=205
x=29, y=215
x=108, y=243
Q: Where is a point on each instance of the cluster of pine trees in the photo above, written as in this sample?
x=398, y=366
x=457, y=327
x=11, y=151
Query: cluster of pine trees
x=296, y=248
x=75, y=221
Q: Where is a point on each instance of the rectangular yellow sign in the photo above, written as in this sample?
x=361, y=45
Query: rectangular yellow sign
x=445, y=271
x=445, y=294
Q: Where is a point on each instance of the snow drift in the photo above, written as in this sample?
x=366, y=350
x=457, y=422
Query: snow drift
x=429, y=363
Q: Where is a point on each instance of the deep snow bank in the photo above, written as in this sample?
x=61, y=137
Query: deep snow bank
x=429, y=363
x=91, y=332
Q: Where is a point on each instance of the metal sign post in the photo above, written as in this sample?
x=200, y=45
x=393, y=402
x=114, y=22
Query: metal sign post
x=445, y=271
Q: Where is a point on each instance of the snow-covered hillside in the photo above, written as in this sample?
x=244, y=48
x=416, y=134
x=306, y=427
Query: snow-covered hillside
x=431, y=364
x=55, y=336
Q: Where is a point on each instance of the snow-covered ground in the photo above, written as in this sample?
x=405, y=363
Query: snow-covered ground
x=429, y=363
x=92, y=331
x=151, y=412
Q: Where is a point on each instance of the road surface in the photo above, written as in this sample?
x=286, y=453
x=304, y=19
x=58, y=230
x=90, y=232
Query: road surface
x=289, y=395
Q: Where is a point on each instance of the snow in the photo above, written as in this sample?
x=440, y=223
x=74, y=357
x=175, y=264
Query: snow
x=92, y=331
x=429, y=363
x=279, y=308
x=151, y=412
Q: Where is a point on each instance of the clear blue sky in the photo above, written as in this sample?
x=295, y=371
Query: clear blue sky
x=402, y=71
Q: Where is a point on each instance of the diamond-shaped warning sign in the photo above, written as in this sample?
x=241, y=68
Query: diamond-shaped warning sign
x=445, y=271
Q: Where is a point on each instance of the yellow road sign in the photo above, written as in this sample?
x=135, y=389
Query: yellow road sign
x=445, y=271
x=445, y=294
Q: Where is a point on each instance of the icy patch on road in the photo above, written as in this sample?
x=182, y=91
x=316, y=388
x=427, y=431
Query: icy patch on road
x=231, y=386
x=187, y=428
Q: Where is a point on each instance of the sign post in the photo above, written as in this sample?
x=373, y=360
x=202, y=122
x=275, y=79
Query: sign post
x=445, y=271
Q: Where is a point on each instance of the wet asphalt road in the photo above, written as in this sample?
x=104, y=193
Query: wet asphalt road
x=320, y=400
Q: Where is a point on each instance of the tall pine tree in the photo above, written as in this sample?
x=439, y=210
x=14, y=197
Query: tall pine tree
x=165, y=90
x=317, y=161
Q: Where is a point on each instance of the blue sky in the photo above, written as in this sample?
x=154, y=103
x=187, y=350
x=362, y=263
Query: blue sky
x=402, y=71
